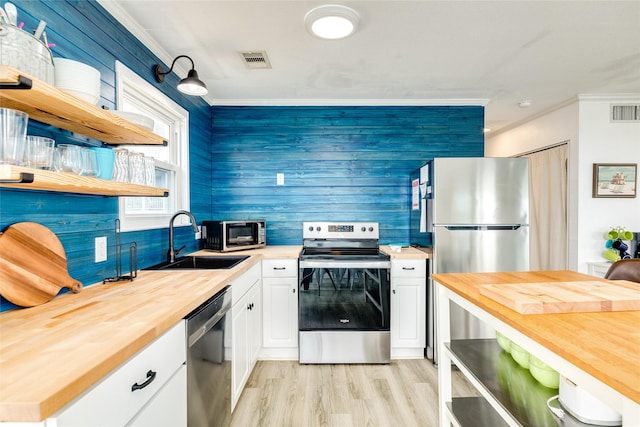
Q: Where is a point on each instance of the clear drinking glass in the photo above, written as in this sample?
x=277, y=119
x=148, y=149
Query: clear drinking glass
x=149, y=171
x=70, y=158
x=90, y=162
x=56, y=160
x=13, y=131
x=121, y=165
x=136, y=168
x=39, y=152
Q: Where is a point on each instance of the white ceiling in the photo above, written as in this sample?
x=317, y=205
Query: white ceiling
x=496, y=53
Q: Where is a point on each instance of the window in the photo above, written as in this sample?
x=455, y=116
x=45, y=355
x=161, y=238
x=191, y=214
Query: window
x=171, y=121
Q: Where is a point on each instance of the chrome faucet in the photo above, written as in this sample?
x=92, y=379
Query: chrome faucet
x=171, y=253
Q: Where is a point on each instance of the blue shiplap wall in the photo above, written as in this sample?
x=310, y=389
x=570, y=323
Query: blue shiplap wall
x=340, y=163
x=84, y=31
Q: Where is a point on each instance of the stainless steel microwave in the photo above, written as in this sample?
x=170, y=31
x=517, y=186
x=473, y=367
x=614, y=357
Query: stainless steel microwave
x=228, y=236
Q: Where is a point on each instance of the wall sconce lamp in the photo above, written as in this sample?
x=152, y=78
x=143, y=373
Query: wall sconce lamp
x=190, y=85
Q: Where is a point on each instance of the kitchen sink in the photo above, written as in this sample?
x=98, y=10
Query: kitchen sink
x=200, y=263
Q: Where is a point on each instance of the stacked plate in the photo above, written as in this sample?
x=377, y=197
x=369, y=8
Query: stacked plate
x=78, y=79
x=139, y=119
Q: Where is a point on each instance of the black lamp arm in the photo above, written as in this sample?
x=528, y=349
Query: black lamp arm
x=159, y=74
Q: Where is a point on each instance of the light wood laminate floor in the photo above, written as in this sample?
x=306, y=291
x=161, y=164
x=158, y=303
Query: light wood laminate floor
x=285, y=393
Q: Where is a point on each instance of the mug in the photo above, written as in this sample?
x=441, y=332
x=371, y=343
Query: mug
x=612, y=235
x=611, y=255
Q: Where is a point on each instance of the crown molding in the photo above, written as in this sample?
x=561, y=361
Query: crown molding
x=482, y=102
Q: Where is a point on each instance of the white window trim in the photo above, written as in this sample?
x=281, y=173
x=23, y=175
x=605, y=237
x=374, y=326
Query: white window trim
x=181, y=195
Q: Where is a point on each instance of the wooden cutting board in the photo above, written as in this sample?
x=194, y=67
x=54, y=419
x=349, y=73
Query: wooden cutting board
x=33, y=265
x=566, y=297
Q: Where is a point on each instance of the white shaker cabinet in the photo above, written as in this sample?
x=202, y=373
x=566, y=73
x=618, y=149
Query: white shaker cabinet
x=150, y=386
x=246, y=328
x=280, y=292
x=155, y=413
x=408, y=308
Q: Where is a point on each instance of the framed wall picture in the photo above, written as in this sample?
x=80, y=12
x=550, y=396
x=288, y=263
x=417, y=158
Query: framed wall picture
x=615, y=179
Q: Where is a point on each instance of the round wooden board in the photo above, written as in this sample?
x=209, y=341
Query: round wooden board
x=33, y=265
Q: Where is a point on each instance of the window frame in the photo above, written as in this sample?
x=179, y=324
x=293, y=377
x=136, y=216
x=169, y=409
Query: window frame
x=131, y=86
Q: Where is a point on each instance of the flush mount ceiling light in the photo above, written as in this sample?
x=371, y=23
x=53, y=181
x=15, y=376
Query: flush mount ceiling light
x=190, y=85
x=332, y=21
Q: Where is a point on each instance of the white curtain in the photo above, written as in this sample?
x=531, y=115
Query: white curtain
x=548, y=208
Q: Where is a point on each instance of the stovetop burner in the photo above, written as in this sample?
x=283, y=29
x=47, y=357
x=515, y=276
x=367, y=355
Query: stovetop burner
x=344, y=243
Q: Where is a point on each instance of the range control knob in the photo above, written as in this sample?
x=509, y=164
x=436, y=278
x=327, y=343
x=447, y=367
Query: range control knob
x=371, y=229
x=363, y=229
x=318, y=228
x=311, y=228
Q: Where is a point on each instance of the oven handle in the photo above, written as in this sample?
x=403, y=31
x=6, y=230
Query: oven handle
x=336, y=263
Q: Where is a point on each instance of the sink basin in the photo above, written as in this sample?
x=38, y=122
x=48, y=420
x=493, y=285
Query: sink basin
x=200, y=263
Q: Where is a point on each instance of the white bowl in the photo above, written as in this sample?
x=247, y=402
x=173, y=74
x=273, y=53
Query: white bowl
x=78, y=79
x=90, y=97
x=138, y=119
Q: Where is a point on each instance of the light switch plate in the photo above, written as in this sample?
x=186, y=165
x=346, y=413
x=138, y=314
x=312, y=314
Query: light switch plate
x=101, y=248
x=280, y=179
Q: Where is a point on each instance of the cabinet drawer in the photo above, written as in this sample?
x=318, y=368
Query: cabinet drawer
x=241, y=285
x=112, y=402
x=408, y=268
x=279, y=268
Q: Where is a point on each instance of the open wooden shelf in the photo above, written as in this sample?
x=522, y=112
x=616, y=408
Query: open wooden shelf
x=20, y=177
x=48, y=104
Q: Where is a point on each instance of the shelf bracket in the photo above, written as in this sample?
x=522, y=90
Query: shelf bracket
x=22, y=83
x=25, y=178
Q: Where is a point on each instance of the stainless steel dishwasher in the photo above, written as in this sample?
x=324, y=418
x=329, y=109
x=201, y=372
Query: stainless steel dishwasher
x=209, y=363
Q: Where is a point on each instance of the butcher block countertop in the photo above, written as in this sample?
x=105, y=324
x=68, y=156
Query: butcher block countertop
x=407, y=252
x=603, y=344
x=52, y=353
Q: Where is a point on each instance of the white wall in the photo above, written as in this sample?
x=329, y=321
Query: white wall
x=592, y=139
x=603, y=142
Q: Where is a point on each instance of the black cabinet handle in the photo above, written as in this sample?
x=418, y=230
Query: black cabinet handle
x=250, y=306
x=279, y=268
x=408, y=268
x=151, y=375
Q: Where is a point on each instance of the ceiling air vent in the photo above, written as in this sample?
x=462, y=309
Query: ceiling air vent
x=256, y=60
x=625, y=113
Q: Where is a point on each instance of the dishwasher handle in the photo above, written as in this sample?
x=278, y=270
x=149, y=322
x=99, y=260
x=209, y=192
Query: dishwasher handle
x=208, y=325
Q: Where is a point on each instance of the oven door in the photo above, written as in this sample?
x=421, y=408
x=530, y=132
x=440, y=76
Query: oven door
x=341, y=296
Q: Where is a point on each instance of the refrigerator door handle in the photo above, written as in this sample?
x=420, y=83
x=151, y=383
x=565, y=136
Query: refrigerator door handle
x=482, y=227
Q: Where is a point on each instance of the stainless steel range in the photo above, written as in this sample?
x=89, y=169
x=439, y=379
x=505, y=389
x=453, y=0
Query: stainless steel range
x=343, y=303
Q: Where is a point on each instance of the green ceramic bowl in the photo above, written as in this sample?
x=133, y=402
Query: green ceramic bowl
x=504, y=342
x=520, y=355
x=542, y=372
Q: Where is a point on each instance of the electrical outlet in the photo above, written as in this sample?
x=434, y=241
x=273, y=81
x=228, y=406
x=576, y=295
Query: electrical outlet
x=101, y=248
x=198, y=235
x=280, y=179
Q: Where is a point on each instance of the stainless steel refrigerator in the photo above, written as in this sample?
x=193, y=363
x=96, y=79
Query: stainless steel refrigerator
x=475, y=214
